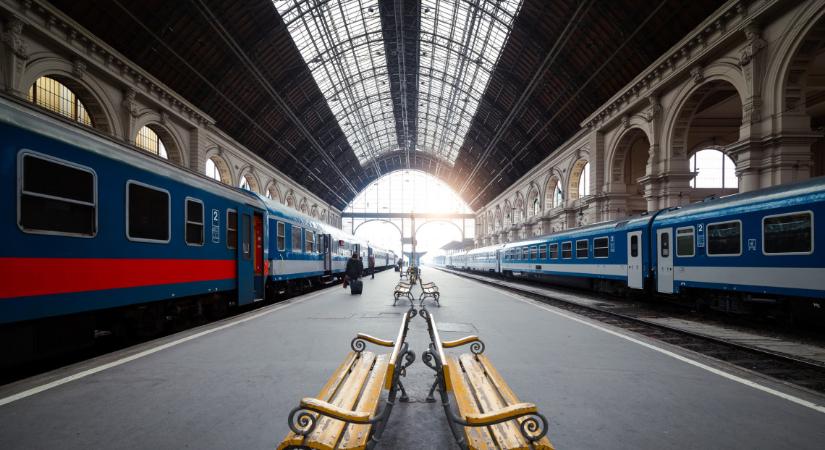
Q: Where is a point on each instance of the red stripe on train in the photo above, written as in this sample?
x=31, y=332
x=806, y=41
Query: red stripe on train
x=20, y=277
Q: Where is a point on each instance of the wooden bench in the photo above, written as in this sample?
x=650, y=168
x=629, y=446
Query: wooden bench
x=402, y=289
x=489, y=415
x=345, y=414
x=429, y=290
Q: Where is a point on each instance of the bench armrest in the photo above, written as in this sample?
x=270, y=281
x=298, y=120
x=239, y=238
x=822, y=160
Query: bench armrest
x=501, y=415
x=336, y=412
x=459, y=342
x=375, y=340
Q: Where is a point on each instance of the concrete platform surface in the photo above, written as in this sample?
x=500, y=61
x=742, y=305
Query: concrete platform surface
x=234, y=385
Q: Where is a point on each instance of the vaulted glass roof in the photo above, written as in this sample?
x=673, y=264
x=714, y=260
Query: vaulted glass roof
x=459, y=43
x=343, y=45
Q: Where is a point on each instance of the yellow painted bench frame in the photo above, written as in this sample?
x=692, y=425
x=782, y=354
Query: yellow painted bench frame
x=303, y=418
x=531, y=424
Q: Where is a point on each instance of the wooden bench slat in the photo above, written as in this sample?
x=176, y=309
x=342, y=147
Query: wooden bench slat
x=329, y=430
x=356, y=436
x=477, y=437
x=326, y=392
x=506, y=433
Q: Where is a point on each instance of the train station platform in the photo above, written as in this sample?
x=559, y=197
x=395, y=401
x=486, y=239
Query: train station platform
x=232, y=384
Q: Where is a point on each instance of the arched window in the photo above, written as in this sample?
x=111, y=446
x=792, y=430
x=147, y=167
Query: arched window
x=55, y=96
x=714, y=169
x=212, y=170
x=558, y=199
x=148, y=140
x=584, y=181
x=244, y=183
x=536, y=206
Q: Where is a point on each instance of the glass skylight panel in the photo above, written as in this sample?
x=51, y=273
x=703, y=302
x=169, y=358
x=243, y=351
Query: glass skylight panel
x=342, y=43
x=461, y=42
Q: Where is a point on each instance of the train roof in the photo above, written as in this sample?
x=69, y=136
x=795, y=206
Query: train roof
x=801, y=192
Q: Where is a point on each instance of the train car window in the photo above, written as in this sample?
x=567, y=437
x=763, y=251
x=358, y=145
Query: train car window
x=246, y=233
x=665, y=245
x=147, y=212
x=231, y=229
x=309, y=242
x=281, y=234
x=554, y=251
x=724, y=238
x=685, y=246
x=296, y=239
x=194, y=221
x=788, y=233
x=601, y=247
x=582, y=248
x=533, y=252
x=57, y=197
x=566, y=250
x=634, y=246
x=542, y=251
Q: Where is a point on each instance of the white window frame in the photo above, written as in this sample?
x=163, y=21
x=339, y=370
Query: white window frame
x=693, y=234
x=300, y=248
x=607, y=247
x=234, y=244
x=307, y=242
x=20, y=191
x=576, y=250
x=571, y=250
x=280, y=232
x=550, y=252
x=813, y=229
x=186, y=220
x=707, y=239
x=169, y=214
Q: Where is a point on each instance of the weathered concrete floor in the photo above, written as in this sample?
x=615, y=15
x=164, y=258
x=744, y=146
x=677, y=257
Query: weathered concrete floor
x=234, y=388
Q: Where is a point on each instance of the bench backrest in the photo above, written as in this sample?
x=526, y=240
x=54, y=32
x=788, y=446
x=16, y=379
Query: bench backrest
x=398, y=349
x=435, y=338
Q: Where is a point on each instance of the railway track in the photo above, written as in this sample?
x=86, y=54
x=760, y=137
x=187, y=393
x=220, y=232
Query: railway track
x=801, y=372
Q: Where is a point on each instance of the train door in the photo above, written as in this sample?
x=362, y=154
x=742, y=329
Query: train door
x=635, y=279
x=498, y=261
x=258, y=255
x=250, y=256
x=327, y=251
x=664, y=258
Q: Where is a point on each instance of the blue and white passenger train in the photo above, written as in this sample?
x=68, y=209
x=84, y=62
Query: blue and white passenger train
x=105, y=234
x=730, y=253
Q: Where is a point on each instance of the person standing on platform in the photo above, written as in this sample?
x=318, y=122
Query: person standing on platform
x=354, y=269
x=371, y=262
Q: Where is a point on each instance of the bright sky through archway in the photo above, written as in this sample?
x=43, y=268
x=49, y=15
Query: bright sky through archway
x=407, y=191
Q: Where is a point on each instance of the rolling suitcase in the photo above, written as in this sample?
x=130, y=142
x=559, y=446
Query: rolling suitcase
x=356, y=286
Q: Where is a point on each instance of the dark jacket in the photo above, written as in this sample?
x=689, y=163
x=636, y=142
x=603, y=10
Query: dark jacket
x=354, y=268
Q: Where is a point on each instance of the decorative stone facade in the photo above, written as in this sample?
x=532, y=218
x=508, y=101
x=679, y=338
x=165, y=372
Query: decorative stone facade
x=741, y=83
x=38, y=40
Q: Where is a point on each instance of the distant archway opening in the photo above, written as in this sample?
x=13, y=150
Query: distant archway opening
x=158, y=141
x=628, y=165
x=553, y=194
x=714, y=170
x=218, y=170
x=579, y=180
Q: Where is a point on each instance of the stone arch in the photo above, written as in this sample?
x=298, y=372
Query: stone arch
x=303, y=206
x=490, y=222
x=800, y=102
x=172, y=142
x=553, y=179
x=499, y=219
x=86, y=87
x=289, y=199
x=718, y=83
x=273, y=192
x=534, y=203
x=224, y=168
x=313, y=211
x=626, y=164
x=508, y=214
x=803, y=33
x=251, y=178
x=323, y=215
x=519, y=208
x=575, y=176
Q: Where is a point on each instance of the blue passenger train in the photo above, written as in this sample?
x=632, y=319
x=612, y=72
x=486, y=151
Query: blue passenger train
x=107, y=236
x=735, y=253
